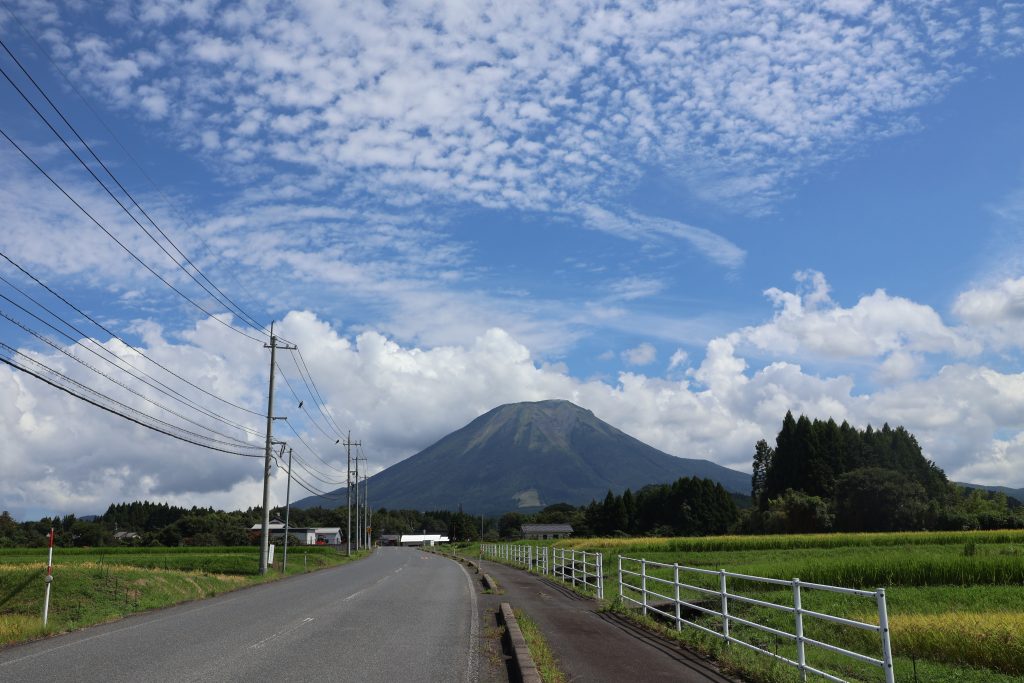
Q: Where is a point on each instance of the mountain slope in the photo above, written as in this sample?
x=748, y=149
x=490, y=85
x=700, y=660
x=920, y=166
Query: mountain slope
x=1018, y=494
x=527, y=455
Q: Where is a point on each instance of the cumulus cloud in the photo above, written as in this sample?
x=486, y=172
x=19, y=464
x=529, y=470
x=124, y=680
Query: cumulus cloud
x=878, y=324
x=400, y=398
x=995, y=313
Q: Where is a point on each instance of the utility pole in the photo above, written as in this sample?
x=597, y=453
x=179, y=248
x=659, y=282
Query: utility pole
x=287, y=511
x=265, y=532
x=348, y=488
x=366, y=501
x=359, y=534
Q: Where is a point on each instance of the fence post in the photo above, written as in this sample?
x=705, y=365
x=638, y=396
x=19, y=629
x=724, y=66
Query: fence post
x=799, y=614
x=723, y=587
x=529, y=558
x=883, y=626
x=600, y=576
x=573, y=556
x=643, y=582
x=679, y=616
x=621, y=592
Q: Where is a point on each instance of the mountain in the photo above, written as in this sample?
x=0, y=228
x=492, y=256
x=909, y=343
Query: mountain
x=1008, y=492
x=523, y=456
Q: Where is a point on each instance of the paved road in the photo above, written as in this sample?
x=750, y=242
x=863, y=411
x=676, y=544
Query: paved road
x=594, y=646
x=399, y=615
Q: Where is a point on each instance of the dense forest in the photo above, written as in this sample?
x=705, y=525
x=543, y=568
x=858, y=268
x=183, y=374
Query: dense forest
x=822, y=476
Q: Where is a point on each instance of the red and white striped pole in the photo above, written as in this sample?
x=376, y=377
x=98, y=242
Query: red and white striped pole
x=48, y=580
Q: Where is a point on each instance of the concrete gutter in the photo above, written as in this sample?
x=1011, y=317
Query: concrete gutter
x=524, y=664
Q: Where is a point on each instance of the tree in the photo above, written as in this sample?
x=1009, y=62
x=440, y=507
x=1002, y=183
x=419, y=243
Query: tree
x=879, y=499
x=763, y=455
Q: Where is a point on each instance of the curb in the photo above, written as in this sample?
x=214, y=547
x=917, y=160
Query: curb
x=524, y=665
x=489, y=582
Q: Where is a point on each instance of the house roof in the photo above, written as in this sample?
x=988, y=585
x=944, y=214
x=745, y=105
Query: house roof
x=546, y=528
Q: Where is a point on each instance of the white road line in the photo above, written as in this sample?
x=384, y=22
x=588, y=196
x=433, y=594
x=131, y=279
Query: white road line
x=472, y=673
x=256, y=646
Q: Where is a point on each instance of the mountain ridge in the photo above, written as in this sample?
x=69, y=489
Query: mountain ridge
x=522, y=456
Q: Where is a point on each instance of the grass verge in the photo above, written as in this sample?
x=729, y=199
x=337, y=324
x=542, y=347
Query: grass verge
x=543, y=658
x=96, y=587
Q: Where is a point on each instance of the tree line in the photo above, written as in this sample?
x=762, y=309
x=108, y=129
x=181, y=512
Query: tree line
x=821, y=476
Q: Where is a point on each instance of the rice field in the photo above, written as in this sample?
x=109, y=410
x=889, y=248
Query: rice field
x=955, y=599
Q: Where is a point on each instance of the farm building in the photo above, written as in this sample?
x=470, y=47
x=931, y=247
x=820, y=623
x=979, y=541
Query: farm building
x=412, y=539
x=330, y=535
x=537, y=532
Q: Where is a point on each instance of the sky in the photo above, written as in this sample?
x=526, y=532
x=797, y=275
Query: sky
x=687, y=217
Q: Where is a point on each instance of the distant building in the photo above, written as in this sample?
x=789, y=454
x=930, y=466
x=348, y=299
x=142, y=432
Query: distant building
x=126, y=536
x=543, y=532
x=327, y=535
x=412, y=539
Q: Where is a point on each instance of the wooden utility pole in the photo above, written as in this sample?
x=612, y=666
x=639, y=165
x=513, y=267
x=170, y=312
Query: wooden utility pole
x=265, y=531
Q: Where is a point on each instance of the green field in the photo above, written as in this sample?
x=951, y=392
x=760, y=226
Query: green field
x=955, y=599
x=93, y=585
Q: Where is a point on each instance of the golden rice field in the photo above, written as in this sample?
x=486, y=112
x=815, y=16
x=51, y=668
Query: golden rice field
x=955, y=599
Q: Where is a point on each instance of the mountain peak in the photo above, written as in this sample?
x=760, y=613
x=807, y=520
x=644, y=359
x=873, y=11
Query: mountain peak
x=532, y=454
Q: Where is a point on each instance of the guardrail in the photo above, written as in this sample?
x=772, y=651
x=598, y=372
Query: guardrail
x=582, y=569
x=638, y=585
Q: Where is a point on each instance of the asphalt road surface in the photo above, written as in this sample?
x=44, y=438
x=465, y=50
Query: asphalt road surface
x=399, y=615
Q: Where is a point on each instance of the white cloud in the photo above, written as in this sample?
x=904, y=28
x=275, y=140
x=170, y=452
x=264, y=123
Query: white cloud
x=398, y=399
x=644, y=354
x=996, y=313
x=541, y=105
x=878, y=324
x=679, y=358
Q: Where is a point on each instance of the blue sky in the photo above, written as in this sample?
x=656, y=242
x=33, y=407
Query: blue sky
x=686, y=218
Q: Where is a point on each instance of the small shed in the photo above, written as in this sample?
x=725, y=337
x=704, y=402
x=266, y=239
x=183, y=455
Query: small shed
x=542, y=532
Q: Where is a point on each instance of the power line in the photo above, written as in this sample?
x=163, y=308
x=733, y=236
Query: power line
x=301, y=404
x=172, y=205
x=226, y=302
x=171, y=393
x=315, y=394
x=119, y=243
x=11, y=362
x=57, y=347
x=311, y=450
x=117, y=337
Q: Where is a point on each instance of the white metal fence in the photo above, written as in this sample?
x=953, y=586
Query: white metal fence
x=658, y=587
x=582, y=569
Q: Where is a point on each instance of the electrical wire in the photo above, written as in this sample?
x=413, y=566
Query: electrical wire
x=223, y=299
x=117, y=337
x=57, y=347
x=173, y=206
x=314, y=395
x=120, y=361
x=14, y=364
x=119, y=243
x=301, y=403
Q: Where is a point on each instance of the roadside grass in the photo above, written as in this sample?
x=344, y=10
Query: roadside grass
x=955, y=599
x=93, y=586
x=543, y=658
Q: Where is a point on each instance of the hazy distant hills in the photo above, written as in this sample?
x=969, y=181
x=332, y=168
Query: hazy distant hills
x=523, y=456
x=1008, y=492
